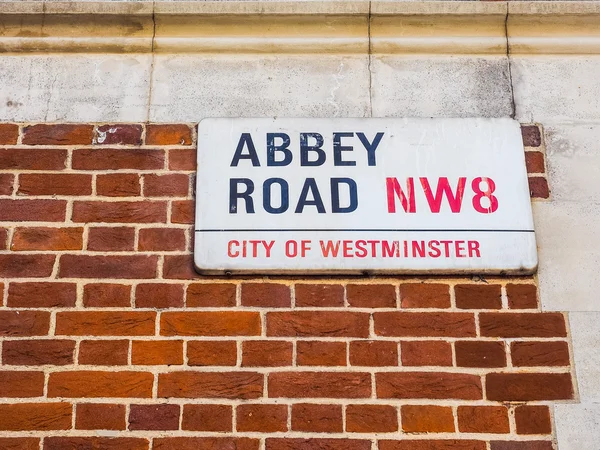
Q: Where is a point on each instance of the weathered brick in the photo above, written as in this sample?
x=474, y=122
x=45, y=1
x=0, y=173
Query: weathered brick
x=105, y=323
x=126, y=134
x=104, y=353
x=319, y=384
x=158, y=295
x=424, y=295
x=208, y=443
x=521, y=296
x=182, y=159
x=92, y=442
x=371, y=295
x=426, y=353
x=9, y=133
x=106, y=295
x=24, y=323
x=22, y=384
x=44, y=238
x=179, y=267
x=171, y=185
x=480, y=354
x=320, y=353
x=58, y=134
x=86, y=266
x=478, y=296
x=20, y=443
x=483, y=419
x=429, y=444
x=32, y=159
x=182, y=211
x=95, y=384
x=514, y=325
x=371, y=419
x=32, y=210
x=6, y=183
x=263, y=418
x=427, y=419
x=157, y=352
x=373, y=353
x=318, y=323
x=210, y=295
x=534, y=161
x=266, y=295
x=120, y=212
x=213, y=323
x=161, y=239
x=117, y=159
x=266, y=353
x=118, y=185
x=3, y=238
x=100, y=416
x=531, y=135
x=528, y=386
x=317, y=418
x=35, y=416
x=71, y=184
x=232, y=385
x=538, y=187
x=431, y=385
x=168, y=134
x=207, y=418
x=319, y=295
x=420, y=324
x=154, y=417
x=522, y=445
x=316, y=444
x=42, y=295
x=212, y=353
x=532, y=354
x=57, y=352
x=111, y=239
x=533, y=419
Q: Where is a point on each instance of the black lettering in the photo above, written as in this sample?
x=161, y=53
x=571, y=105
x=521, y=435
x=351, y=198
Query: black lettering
x=282, y=148
x=370, y=147
x=234, y=195
x=285, y=198
x=245, y=138
x=310, y=185
x=305, y=149
x=335, y=195
x=338, y=148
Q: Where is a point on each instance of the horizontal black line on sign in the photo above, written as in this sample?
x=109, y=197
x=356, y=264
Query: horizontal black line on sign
x=360, y=229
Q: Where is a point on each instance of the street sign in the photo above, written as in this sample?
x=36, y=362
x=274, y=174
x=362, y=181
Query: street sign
x=350, y=196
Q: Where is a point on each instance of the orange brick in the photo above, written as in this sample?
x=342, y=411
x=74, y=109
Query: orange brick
x=317, y=418
x=21, y=443
x=371, y=295
x=171, y=185
x=428, y=385
x=197, y=443
x=55, y=184
x=266, y=353
x=182, y=159
x=263, y=418
x=87, y=266
x=182, y=211
x=18, y=383
x=212, y=353
x=6, y=183
x=117, y=159
x=426, y=353
x=168, y=134
x=534, y=161
x=232, y=385
x=213, y=323
x=483, y=419
x=157, y=352
x=158, y=295
x=95, y=384
x=320, y=353
x=424, y=295
x=522, y=296
x=118, y=185
x=100, y=416
x=210, y=295
x=106, y=353
x=105, y=323
x=319, y=384
x=35, y=416
x=32, y=210
x=427, y=419
x=421, y=324
x=373, y=353
x=316, y=444
x=92, y=442
x=161, y=239
x=43, y=238
x=319, y=295
x=9, y=133
x=207, y=418
x=318, y=324
x=371, y=419
x=120, y=212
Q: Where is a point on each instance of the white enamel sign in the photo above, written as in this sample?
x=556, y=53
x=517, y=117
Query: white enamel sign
x=348, y=196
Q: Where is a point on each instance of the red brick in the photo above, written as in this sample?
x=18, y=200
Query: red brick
x=373, y=353
x=171, y=185
x=232, y=385
x=316, y=444
x=426, y=353
x=182, y=159
x=20, y=443
x=158, y=295
x=320, y=353
x=89, y=443
x=179, y=267
x=58, y=134
x=43, y=238
x=528, y=386
x=3, y=238
x=531, y=135
x=424, y=295
x=105, y=323
x=55, y=184
x=213, y=323
x=129, y=134
x=168, y=134
x=538, y=187
x=371, y=419
x=480, y=354
x=154, y=417
x=207, y=418
x=32, y=159
x=483, y=419
x=182, y=211
x=205, y=443
x=427, y=419
x=99, y=416
x=212, y=353
x=523, y=445
x=371, y=295
x=522, y=296
x=319, y=295
x=420, y=324
x=57, y=352
x=319, y=384
x=42, y=295
x=533, y=419
x=161, y=239
x=6, y=183
x=266, y=295
x=478, y=296
x=210, y=295
x=21, y=384
x=24, y=323
x=104, y=353
x=86, y=266
x=35, y=416
x=431, y=385
x=446, y=444
x=117, y=159
x=534, y=161
x=107, y=239
x=262, y=418
x=118, y=185
x=513, y=325
x=120, y=212
x=94, y=384
x=157, y=352
x=32, y=210
x=9, y=133
x=318, y=323
x=106, y=295
x=266, y=353
x=317, y=418
x=532, y=354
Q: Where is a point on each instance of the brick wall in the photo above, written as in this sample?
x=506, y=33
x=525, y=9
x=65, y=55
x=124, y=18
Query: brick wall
x=109, y=340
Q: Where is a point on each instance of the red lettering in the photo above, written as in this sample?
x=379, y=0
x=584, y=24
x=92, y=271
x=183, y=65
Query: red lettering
x=347, y=249
x=474, y=249
x=330, y=247
x=230, y=251
x=443, y=188
x=394, y=189
x=480, y=194
x=458, y=247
